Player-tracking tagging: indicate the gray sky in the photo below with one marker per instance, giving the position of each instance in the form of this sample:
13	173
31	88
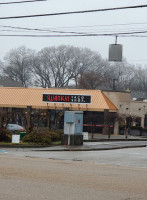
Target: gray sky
134	49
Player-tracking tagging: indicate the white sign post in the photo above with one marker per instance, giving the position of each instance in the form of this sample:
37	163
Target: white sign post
85	135
16	139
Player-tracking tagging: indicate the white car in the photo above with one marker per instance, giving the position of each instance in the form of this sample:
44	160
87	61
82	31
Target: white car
15	127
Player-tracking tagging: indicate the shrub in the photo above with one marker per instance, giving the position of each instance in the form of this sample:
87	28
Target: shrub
56	136
5	135
38	136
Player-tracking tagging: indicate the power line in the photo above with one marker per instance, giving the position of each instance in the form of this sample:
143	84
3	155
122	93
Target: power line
42	30
81	35
69	27
137	36
131	32
13	35
76	12
102	25
16	2
46	30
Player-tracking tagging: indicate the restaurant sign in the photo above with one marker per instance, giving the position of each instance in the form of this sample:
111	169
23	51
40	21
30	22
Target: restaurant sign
67	98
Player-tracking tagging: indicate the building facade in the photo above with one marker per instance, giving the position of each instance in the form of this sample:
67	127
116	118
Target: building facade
40	103
127	106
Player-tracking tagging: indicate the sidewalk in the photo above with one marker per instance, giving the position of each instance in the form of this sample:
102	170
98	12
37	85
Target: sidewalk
100	137
98	143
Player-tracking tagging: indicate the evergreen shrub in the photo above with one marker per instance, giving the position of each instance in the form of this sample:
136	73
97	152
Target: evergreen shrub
38	136
57	135
5	135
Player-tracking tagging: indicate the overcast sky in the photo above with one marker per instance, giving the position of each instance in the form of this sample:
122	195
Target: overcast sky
134	48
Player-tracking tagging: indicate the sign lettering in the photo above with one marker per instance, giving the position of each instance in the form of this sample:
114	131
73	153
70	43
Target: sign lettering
65	98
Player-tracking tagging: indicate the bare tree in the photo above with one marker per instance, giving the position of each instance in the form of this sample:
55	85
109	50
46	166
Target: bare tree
139	81
91	80
57	66
86	61
1	67
41	71
17	65
62	65
54	66
123	73
5	116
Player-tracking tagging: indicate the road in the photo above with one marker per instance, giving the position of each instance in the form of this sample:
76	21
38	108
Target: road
41	175
123	157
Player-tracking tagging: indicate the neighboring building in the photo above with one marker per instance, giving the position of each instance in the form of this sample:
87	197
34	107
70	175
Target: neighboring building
7	82
127	106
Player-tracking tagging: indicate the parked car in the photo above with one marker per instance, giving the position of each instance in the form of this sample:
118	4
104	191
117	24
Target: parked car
15	127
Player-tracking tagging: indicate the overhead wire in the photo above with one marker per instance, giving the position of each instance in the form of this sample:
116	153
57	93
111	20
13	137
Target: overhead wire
73	33
102	32
75	12
17	2
102	25
46	30
78	35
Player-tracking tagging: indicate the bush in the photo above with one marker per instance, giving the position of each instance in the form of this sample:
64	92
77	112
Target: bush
56	136
38	136
5	135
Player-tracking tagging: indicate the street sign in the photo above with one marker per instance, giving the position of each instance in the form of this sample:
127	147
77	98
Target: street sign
115	52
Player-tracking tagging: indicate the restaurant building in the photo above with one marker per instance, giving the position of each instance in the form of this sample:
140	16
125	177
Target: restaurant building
96	106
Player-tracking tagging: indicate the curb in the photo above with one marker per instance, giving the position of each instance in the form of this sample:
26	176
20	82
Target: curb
77	148
21	146
93	149
113	140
